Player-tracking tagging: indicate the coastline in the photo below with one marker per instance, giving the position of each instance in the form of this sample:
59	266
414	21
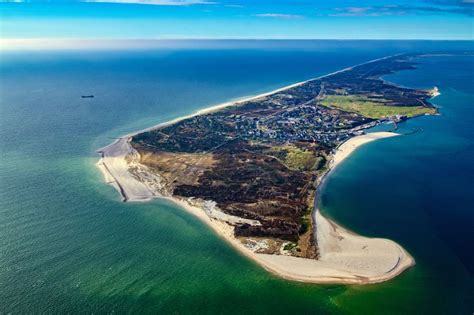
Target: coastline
238	101
344	257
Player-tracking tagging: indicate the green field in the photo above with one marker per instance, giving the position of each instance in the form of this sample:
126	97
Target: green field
296	158
364	106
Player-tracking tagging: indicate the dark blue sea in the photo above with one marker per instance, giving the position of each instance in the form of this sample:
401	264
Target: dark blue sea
67	243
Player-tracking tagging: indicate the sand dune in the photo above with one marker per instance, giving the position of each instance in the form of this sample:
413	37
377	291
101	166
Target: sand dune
345	257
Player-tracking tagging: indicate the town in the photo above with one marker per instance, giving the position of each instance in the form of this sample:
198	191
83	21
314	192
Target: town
259	159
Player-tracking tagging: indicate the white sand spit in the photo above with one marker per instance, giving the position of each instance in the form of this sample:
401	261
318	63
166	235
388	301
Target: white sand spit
345	257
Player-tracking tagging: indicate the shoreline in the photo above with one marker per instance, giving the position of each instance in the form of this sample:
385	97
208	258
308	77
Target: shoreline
354	260
238	101
345	257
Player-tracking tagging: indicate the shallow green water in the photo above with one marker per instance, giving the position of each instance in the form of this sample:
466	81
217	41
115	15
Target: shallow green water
67	243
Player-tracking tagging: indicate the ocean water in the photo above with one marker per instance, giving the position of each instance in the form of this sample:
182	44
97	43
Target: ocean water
67	243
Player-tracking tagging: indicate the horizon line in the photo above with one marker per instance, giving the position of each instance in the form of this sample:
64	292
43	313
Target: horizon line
144	43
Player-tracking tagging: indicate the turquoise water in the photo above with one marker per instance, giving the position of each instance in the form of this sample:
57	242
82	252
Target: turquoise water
68	244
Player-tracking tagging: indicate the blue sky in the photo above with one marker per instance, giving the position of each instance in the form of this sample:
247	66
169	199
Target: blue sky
217	19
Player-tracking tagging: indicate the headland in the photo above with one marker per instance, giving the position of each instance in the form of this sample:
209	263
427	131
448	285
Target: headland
251	169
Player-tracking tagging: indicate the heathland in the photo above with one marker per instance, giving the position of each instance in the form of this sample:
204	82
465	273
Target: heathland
251	169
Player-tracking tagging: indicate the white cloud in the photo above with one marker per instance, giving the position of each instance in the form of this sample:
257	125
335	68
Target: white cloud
157	2
233	5
394	10
280	16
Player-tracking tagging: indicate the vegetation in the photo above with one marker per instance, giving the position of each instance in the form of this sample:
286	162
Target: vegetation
371	109
299	159
305	224
289	246
306	220
296	158
259	160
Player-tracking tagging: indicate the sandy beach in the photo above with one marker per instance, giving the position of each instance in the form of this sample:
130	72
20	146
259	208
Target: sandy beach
345	257
239	101
346	148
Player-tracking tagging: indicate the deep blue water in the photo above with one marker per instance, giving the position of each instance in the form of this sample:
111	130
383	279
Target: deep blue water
419	188
68	244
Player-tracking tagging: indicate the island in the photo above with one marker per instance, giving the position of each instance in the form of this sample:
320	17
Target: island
252	169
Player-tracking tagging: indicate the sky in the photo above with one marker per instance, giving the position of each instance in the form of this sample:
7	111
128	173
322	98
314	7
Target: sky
236	19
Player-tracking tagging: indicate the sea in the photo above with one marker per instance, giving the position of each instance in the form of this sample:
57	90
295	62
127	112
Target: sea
69	245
